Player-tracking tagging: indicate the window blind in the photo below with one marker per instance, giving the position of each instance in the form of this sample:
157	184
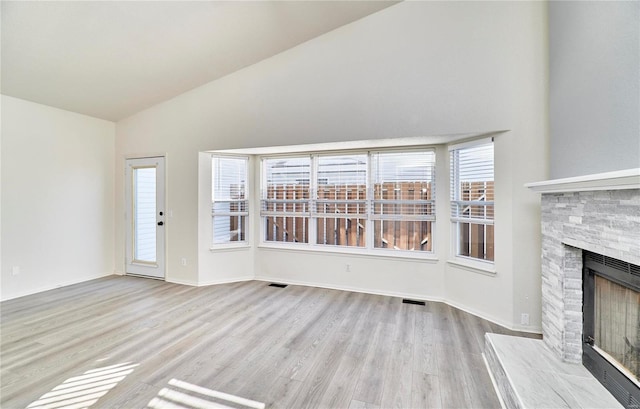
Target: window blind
229	198
286	186
341	189
403	185
472	183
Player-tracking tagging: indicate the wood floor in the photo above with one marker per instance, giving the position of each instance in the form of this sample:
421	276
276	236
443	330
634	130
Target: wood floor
134	343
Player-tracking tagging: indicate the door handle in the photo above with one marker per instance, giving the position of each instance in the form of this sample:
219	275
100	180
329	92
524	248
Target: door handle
160	223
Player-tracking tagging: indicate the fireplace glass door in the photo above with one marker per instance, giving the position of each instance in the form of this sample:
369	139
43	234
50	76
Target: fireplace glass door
611	325
616	319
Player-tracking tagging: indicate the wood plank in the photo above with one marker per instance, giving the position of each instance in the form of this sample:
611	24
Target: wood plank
425	391
293	347
371	381
398	380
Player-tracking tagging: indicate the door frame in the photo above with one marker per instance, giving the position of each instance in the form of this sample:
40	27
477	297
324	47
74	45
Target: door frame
162	261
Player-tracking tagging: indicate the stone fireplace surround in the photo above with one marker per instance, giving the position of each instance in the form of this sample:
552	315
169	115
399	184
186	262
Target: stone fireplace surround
597	213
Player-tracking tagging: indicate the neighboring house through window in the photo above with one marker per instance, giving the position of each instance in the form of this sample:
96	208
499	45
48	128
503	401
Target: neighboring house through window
230	204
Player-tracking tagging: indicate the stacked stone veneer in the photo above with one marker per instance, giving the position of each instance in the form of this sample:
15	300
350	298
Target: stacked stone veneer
605	222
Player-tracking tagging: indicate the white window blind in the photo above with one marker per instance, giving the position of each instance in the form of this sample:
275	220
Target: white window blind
342	185
472	199
404	185
403	199
285	206
472	183
382	200
229	199
341	199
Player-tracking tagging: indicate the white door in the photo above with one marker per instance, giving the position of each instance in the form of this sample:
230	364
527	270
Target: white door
145	217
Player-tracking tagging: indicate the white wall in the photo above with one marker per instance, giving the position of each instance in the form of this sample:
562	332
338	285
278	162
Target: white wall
57	197
219	266
594	86
413	69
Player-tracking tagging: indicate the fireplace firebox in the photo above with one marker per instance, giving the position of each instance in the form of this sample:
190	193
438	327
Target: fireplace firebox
611	326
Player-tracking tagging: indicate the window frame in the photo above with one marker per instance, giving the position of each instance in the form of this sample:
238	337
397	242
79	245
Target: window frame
267	213
313	216
247	213
457	258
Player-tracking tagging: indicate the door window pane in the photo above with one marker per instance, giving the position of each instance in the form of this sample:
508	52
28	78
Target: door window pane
144	226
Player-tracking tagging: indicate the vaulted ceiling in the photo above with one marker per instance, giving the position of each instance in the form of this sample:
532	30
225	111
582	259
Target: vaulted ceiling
111	59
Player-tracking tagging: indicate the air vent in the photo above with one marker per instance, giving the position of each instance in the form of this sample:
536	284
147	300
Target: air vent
414	302
617	264
278	285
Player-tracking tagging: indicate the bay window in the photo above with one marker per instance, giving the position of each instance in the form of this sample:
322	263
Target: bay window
403	200
372	201
472	199
285	209
230	204
341	200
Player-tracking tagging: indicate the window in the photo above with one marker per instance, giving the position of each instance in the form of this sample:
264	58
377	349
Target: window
341	200
370	201
472	200
230	204
285	199
403	200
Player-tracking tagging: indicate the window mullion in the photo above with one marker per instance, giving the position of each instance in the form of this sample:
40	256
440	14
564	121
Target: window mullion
369	231
313	194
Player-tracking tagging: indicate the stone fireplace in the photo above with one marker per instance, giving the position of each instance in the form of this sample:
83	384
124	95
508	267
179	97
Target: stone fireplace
598	214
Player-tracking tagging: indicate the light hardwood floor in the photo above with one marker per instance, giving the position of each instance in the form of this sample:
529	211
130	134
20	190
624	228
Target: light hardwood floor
133	343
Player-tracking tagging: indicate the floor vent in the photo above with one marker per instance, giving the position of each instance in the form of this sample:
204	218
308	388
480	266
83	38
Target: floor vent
414	302
278	285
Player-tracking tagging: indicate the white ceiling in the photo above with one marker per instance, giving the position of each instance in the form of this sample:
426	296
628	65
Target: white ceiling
115	58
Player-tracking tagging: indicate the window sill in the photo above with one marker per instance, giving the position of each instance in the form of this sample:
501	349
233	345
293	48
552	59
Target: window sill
230	247
428	257
474	266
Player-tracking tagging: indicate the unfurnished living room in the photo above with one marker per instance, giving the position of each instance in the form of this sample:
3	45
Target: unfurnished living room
320	204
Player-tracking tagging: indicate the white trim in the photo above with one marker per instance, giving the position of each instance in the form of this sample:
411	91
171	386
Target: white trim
475	265
209	282
467	144
531	330
226	281
55	286
417	297
351	251
231	246
181	282
433	140
617	180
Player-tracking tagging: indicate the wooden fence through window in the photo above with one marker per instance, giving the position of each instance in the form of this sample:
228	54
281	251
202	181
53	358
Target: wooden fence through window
342	211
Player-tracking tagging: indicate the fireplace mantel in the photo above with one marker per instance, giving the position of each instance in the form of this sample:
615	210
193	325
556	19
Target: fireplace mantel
618	180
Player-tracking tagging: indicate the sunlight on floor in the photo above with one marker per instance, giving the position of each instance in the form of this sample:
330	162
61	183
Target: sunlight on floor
84	390
182	395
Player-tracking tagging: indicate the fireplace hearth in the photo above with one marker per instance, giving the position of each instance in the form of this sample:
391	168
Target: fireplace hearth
611	311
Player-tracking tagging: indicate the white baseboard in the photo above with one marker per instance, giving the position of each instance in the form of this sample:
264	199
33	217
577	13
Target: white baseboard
501	322
348	288
226	281
181	282
53	287
418	297
209	282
